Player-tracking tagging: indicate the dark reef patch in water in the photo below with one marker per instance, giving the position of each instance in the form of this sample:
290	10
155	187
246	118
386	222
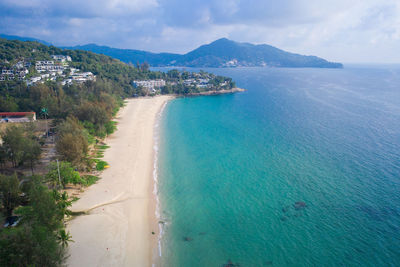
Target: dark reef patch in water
187	238
299	205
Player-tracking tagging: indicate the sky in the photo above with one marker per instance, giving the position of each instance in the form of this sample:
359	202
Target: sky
357	31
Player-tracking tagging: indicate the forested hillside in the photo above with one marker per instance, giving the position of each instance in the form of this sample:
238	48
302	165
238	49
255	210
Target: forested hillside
114	82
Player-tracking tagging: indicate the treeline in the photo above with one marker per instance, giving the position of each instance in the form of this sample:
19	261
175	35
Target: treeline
40	238
36	206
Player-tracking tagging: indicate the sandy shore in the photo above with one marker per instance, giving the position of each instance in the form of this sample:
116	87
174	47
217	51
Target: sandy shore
117	229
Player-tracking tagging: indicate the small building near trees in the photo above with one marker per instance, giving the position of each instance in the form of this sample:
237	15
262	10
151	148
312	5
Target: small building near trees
17	116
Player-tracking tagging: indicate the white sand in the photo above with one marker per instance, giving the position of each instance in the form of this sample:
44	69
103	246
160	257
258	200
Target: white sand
117	230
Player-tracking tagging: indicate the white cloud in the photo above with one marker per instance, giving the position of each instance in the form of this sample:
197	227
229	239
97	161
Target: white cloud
339	30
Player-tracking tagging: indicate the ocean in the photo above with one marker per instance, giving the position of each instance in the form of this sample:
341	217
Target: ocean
302	169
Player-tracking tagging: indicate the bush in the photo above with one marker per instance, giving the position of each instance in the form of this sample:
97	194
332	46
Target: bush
90	179
110	127
67	174
101	165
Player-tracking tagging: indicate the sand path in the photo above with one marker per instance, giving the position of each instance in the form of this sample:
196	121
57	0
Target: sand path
117	230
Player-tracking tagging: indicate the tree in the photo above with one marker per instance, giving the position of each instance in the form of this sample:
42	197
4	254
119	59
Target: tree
14	143
35	241
10	193
72	143
64	238
173	74
30	245
43	208
144	66
95	113
63	172
63	202
20	145
32	151
3	156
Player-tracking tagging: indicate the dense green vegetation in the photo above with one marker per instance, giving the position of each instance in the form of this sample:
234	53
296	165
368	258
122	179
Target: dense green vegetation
40	237
19	146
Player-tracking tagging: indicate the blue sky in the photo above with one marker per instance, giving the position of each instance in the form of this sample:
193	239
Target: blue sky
339	30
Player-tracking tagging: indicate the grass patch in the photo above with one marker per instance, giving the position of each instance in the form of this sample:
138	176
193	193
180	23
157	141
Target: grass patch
110	127
102	147
99	154
100	165
90	179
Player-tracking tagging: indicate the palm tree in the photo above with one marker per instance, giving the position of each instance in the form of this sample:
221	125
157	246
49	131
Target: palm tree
63	202
64	237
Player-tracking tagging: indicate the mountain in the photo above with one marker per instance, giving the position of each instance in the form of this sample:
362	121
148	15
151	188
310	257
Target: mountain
129	55
19	38
220	53
227	53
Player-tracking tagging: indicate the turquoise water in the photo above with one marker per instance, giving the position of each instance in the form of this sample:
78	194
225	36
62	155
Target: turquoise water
232	167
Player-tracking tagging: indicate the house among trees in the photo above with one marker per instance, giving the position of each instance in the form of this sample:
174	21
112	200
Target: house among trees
61	58
48	65
17	116
82	77
150	85
6	71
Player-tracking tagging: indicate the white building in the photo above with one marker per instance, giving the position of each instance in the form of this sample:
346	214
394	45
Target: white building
61	58
150	84
66	81
5	71
189	82
19	65
42	66
83	77
33	80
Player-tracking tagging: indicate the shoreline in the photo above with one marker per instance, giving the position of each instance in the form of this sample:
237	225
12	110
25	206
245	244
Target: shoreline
121	207
155	212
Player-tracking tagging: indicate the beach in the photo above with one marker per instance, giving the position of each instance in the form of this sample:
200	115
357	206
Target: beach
120	209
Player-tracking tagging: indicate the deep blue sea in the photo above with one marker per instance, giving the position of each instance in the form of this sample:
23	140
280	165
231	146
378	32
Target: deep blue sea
302	169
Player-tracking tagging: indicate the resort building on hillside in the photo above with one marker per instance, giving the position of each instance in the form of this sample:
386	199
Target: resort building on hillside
83	77
42	66
17	117
5	71
79	77
61	58
189	82
33	80
150	84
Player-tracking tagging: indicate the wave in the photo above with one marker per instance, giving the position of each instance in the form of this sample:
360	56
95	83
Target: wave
155	178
